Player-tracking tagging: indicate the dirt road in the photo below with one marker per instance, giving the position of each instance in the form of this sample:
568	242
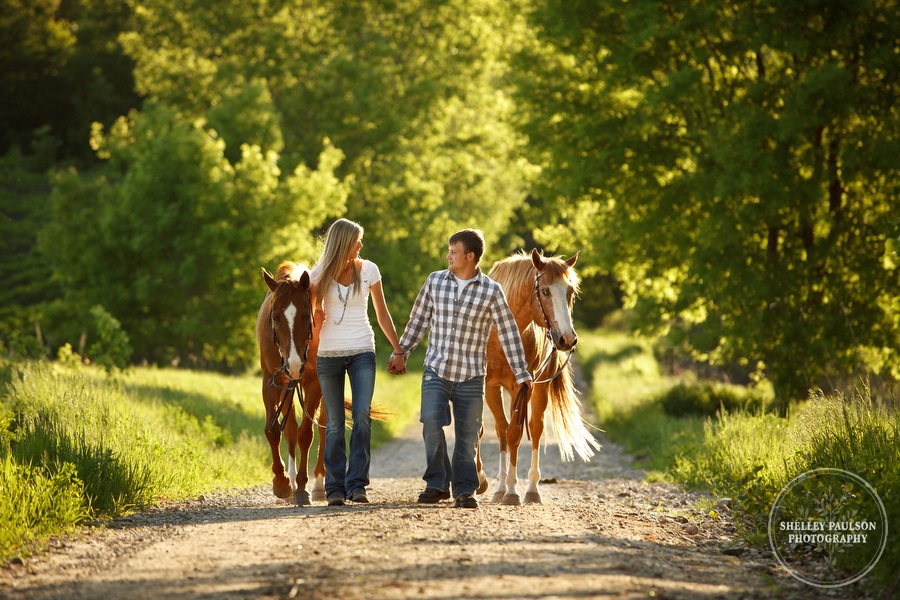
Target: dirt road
600	533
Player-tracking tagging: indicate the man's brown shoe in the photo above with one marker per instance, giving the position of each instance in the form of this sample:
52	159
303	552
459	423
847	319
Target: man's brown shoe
465	501
433	496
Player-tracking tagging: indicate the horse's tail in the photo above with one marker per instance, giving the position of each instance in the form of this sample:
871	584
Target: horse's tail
569	427
376	411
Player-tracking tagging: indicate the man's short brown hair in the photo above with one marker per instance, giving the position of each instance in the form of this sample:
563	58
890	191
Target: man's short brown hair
471	239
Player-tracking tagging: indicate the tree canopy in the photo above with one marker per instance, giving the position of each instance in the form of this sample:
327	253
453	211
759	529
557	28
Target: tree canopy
729	170
738	167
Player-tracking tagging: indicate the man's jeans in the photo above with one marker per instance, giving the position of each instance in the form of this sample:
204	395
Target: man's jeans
339	478
468	403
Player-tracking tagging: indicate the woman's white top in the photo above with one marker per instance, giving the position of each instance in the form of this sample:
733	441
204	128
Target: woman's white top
351	333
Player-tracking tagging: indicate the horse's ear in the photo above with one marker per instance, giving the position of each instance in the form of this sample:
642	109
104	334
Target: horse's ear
537	260
571	262
304	280
270	281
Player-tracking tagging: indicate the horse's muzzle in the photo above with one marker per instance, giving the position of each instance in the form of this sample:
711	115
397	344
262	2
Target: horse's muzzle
564	342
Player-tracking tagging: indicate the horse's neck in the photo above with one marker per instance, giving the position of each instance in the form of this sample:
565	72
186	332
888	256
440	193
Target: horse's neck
521	309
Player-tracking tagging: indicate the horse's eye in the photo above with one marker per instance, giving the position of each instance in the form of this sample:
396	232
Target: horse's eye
274	318
546	292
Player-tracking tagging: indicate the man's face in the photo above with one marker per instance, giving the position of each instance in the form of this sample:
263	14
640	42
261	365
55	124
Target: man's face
458	260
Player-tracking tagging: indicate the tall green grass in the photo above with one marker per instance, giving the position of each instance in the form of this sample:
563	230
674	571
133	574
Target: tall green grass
77	443
744	453
37	502
626	384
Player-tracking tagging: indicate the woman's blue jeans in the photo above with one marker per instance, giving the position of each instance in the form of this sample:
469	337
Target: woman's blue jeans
339	477
467	398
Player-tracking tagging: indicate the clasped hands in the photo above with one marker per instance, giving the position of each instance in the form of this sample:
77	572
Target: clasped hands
397	364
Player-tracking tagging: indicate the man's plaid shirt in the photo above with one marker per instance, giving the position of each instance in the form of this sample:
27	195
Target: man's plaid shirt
457	344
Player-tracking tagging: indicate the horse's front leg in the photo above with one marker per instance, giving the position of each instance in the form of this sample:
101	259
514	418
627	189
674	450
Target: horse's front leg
304	441
290	440
281	485
509	463
494	399
318	490
536	426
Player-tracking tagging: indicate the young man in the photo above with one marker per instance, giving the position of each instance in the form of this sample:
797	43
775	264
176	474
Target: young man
459	305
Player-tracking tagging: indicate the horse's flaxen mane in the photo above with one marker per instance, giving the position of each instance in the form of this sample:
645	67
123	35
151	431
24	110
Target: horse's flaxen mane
517	272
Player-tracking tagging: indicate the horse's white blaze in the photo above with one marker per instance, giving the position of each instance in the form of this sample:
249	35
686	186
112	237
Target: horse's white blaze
563	317
294	360
292	473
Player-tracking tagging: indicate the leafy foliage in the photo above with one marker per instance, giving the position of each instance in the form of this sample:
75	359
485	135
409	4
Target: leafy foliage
111	350
173	248
733	166
728	171
61	69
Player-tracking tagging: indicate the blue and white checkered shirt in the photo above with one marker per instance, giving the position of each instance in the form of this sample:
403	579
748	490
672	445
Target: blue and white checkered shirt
460	326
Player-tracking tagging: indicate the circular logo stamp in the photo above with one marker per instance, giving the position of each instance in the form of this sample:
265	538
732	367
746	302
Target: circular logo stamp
828	528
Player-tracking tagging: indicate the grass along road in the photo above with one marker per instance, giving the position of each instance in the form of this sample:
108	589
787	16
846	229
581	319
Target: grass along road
601	532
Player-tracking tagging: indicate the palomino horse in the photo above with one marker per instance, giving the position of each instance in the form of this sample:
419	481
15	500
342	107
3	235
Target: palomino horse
287	345
540	291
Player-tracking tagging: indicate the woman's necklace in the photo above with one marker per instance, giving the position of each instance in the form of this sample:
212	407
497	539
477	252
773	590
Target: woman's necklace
343	299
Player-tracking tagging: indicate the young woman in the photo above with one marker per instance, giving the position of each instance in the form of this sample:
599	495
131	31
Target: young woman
344	282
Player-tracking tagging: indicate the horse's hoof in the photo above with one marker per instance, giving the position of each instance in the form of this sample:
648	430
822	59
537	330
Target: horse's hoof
498	497
512	500
282	491
318	495
482	483
533	498
301	498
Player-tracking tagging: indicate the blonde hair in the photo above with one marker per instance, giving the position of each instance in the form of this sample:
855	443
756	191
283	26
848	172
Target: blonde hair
340	239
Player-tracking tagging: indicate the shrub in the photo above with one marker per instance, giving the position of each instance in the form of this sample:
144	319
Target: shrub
112	349
707	398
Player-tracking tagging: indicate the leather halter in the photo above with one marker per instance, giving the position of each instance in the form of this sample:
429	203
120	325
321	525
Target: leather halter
292	384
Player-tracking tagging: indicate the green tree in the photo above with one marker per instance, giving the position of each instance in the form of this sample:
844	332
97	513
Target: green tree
735	167
25	274
170	242
38	43
111	350
412	93
61	69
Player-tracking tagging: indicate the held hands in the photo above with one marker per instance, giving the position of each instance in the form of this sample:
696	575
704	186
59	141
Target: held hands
397	364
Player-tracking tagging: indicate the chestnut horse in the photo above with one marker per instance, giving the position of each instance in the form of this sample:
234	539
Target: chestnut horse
541	292
287	348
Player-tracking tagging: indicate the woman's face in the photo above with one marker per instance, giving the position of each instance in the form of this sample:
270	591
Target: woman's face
355	249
